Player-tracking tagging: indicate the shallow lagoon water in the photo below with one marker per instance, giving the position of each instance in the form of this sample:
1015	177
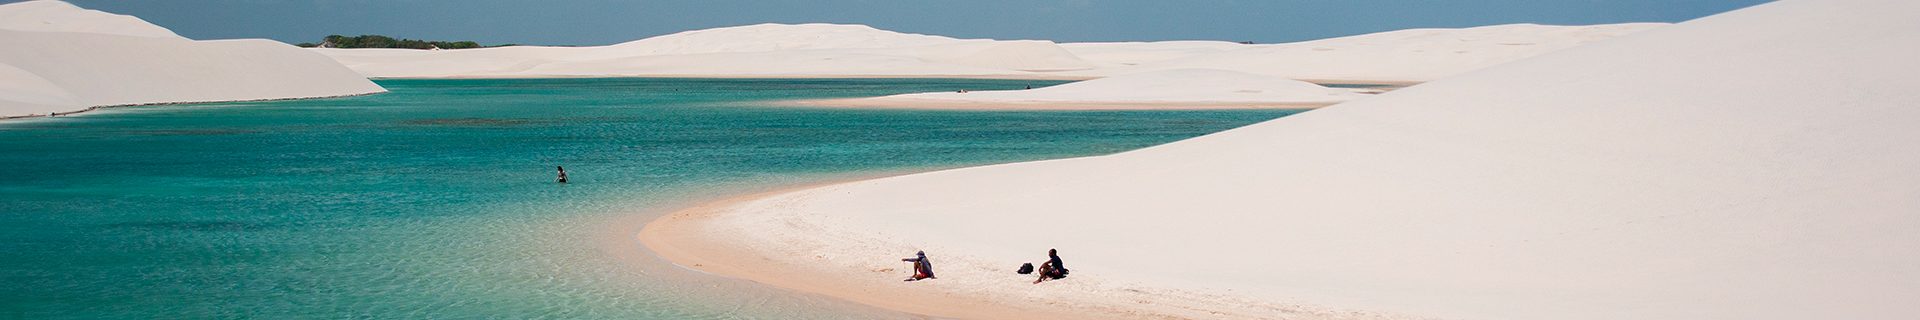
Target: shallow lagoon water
438	200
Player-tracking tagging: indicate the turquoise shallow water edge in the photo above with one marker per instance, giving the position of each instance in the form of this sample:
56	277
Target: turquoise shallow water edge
437	199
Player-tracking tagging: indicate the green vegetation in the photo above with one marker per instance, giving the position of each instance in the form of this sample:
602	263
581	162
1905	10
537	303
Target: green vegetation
380	41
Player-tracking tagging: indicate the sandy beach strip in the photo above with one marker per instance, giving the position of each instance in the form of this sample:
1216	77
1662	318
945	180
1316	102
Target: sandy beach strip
98	108
1044	77
1182	89
942	104
684	238
701	238
1384	84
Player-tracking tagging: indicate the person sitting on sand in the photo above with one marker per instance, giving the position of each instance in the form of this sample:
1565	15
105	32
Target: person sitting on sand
563	173
1053	269
922	268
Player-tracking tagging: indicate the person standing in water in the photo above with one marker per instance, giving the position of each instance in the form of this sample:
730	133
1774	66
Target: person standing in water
563	174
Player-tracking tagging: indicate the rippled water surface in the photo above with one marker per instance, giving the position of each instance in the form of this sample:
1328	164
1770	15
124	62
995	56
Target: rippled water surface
438	200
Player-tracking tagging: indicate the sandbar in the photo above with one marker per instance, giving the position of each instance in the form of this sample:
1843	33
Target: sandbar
966	289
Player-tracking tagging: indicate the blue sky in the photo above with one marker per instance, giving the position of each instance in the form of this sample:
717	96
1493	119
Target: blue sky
596	22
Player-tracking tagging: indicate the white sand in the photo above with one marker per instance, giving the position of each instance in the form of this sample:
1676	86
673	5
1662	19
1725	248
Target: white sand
1196	88
1121	54
1413	55
1245	76
59	16
764	50
61	58
831	50
1757	164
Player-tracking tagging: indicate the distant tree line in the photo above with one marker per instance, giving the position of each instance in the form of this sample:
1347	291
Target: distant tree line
385	42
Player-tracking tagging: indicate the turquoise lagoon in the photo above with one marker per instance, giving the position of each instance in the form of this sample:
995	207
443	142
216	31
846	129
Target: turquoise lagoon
437	199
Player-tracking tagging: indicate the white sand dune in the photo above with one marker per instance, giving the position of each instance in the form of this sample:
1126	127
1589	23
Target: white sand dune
1011	59
768	37
832	50
1413	55
59	16
61	58
764	50
1170	88
1757	164
1119	54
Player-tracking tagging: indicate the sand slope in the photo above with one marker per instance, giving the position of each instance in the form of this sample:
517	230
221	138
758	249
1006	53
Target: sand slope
1198	88
769	37
833	50
60	16
763	50
1752	165
1119	54
817	50
1413	55
61	58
